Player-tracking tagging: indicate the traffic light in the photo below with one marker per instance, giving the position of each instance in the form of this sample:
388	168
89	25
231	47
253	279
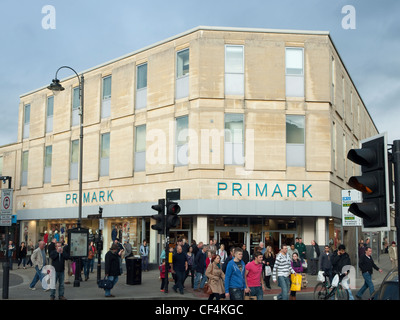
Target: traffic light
172	215
373	182
160	217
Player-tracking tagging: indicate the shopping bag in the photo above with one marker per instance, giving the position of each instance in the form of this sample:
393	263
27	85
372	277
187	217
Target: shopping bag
321	276
335	281
296	282
268	271
48	277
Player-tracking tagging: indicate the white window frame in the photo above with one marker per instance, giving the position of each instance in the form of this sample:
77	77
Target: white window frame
182	80
49	118
73	173
27	120
106	100
104	160
181	149
140	156
294	82
141	93
233	150
234	80
47	168
296	152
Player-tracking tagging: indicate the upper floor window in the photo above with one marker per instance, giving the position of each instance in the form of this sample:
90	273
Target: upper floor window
47	164
294	72
182	141
105	154
140	148
24	171
106	98
73	174
141	86
234	139
49	114
234	70
75	106
27	119
295	141
182	73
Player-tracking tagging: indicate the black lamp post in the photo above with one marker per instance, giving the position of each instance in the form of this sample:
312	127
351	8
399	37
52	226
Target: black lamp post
55	86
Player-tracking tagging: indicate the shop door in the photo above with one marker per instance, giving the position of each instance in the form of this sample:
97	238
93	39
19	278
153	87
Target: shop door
275	239
231	239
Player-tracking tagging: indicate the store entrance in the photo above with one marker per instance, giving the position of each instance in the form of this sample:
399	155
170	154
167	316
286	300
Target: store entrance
231	239
275	239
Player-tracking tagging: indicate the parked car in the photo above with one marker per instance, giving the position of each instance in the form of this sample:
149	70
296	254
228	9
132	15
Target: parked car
389	289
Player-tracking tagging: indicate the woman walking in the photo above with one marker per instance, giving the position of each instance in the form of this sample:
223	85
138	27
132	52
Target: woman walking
298	268
21	254
216	278
268	261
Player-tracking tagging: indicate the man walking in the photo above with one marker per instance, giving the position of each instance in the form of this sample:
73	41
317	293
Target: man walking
282	270
200	263
144	254
38	259
366	264
235	283
253	276
179	267
58	257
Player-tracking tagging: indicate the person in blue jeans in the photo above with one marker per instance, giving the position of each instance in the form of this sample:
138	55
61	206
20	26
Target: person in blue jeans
144	254
38	259
282	270
58	257
366	264
112	270
235	283
200	268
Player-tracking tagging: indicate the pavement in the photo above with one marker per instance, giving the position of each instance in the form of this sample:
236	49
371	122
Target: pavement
149	289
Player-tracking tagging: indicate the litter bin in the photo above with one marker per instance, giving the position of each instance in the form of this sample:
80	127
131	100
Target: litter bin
133	270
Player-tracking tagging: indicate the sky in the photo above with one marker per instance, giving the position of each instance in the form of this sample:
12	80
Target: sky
35	42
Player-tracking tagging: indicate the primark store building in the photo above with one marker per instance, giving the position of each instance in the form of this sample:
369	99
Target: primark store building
252	125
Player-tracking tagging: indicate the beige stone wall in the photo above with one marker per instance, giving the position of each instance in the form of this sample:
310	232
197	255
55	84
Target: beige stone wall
264	106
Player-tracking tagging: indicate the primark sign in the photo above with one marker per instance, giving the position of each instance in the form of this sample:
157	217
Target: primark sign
264	190
100	196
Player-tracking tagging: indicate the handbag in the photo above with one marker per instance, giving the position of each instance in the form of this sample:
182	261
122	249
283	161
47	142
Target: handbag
105	283
207	289
296	282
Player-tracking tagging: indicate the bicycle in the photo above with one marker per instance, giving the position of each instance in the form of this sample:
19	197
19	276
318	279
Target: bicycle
325	291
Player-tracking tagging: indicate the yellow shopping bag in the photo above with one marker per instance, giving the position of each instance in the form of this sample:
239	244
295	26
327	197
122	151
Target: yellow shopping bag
296	282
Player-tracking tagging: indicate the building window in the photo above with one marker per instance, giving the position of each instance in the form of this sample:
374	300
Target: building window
182	74
140	148
104	154
294	72
73	174
49	114
141	86
182	141
106	98
75	107
47	164
234	70
295	137
234	146
24	173
1	166
27	119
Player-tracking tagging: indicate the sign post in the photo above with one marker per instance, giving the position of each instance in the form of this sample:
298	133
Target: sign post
349	219
6	212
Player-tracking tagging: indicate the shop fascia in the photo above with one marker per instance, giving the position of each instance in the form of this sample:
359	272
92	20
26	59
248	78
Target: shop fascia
273	190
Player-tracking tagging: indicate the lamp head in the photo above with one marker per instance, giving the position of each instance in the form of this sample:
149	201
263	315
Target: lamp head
55	86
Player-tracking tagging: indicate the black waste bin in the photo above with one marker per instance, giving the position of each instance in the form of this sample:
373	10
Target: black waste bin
133	270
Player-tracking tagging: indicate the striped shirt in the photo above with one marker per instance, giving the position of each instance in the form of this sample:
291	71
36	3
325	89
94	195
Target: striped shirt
282	266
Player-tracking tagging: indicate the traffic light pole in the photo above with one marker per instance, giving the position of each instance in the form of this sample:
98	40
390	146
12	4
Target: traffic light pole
396	162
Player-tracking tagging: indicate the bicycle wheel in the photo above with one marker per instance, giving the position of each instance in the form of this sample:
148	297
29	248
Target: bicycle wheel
341	294
320	291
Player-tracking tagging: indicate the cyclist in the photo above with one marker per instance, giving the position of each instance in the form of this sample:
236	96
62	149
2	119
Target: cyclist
341	264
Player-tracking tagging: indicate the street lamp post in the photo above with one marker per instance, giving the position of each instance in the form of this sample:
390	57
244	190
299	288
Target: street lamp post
55	86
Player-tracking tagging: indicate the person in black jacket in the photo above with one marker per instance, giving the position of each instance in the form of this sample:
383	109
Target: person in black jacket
366	264
58	257
314	257
200	267
112	269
